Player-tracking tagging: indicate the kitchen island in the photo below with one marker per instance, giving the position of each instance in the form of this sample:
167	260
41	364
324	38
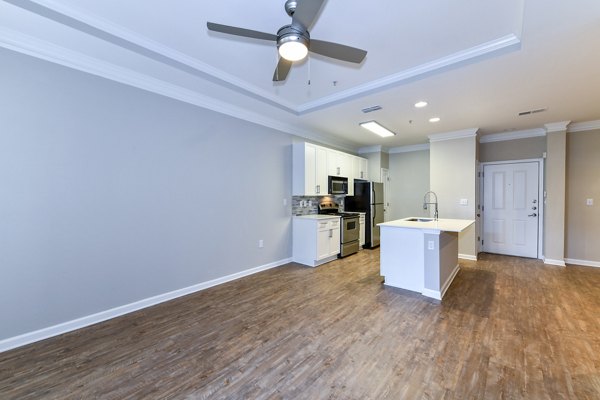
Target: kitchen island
421	254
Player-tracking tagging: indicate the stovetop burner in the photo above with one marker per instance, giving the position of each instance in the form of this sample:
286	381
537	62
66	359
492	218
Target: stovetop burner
332	208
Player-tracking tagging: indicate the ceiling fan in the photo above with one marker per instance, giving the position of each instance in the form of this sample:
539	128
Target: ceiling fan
293	40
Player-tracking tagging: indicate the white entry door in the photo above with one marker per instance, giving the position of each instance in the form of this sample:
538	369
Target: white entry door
511	208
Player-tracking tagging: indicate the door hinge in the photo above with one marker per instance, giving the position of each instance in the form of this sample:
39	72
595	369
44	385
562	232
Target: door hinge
478	238
482	242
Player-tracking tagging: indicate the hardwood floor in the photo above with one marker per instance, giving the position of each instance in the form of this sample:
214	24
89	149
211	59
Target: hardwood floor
508	328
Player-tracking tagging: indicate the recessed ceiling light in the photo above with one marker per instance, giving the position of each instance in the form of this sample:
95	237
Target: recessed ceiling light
434	119
420	104
376	128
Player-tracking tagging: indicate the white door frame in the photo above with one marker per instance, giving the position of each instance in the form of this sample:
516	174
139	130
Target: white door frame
385	179
541	193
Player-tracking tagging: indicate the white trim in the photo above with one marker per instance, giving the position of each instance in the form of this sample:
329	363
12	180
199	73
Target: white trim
438	295
35	47
584	126
169	53
242	86
541	205
386	82
467	257
45	333
500	137
450	280
408	149
434	294
465	133
557	126
371	149
585	263
560	263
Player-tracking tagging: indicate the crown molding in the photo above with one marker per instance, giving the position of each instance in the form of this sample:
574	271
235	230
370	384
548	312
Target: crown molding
465	133
373	149
410	148
557	126
584	126
29	45
105	30
440	64
500	137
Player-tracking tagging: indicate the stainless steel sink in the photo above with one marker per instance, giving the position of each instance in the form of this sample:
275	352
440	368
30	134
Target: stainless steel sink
419	219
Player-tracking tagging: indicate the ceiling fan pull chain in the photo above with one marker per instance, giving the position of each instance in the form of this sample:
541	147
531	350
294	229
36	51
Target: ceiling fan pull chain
308	71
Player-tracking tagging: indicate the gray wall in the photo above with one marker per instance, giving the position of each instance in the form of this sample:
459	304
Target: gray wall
110	195
556	189
452	177
519	149
410	181
583	182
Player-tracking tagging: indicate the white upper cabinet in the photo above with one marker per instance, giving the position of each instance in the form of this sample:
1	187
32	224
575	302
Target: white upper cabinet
313	164
338	163
359	168
309	173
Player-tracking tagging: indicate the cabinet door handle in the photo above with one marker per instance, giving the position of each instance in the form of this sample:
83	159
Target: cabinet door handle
338	170
532	215
318	189
331	233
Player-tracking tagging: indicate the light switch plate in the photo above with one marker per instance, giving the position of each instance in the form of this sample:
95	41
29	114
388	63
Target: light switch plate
430	245
464	202
589	202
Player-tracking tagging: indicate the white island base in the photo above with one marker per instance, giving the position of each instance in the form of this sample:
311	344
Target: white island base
421	256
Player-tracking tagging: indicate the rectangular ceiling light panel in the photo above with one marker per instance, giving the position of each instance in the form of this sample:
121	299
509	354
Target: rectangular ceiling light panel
376	128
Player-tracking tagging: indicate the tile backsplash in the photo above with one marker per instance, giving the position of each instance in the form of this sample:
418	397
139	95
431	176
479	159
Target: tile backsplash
304	205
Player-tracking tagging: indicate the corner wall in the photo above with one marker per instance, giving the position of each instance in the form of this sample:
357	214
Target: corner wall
410	181
453	170
583	182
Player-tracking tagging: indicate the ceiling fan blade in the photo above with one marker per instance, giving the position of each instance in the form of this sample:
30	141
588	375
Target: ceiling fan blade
306	12
338	51
282	69
232	30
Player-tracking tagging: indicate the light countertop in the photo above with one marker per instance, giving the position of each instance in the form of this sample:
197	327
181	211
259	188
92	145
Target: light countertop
317	216
443	224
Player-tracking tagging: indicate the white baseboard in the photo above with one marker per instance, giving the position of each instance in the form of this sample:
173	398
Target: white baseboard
560	263
467	257
45	333
449	280
438	295
585	263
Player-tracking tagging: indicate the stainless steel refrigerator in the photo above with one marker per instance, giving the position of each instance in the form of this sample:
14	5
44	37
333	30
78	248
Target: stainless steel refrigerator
368	198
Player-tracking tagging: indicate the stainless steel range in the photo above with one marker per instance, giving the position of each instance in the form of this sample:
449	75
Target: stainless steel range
349	230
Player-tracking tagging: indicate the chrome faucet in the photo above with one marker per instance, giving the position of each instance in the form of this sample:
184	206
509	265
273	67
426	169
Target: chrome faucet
427	203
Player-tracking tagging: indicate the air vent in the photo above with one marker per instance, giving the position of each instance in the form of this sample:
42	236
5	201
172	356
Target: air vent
539	110
371	109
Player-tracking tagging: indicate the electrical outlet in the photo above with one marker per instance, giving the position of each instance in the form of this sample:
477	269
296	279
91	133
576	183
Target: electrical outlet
261	244
430	245
589	202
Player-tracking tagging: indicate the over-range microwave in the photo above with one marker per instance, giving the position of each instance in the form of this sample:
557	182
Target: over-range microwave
338	185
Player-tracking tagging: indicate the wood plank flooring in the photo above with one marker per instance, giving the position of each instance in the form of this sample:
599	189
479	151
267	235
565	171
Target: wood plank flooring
508	328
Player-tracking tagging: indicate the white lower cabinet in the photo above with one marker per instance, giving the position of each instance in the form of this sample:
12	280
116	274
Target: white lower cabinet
316	239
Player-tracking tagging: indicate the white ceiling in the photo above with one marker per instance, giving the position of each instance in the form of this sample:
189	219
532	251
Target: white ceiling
477	63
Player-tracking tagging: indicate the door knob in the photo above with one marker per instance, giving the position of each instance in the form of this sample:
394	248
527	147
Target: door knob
532	215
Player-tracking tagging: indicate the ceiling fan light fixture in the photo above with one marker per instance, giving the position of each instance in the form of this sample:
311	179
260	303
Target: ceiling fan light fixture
377	128
293	47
